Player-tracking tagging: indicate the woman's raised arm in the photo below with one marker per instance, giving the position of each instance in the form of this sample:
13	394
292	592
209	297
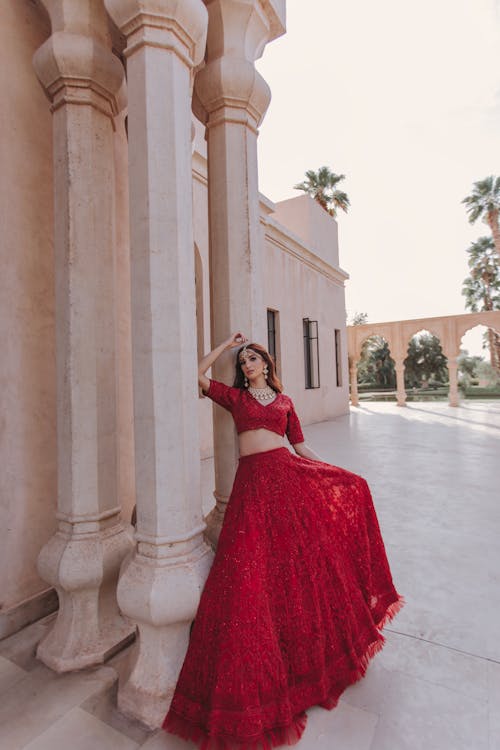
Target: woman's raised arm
236	339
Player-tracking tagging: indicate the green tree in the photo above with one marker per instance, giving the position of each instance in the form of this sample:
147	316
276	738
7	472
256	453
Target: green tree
467	366
481	288
322	186
484	203
425	361
376	366
486	371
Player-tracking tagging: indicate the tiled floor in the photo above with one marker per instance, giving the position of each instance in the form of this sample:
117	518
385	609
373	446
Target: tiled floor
433	472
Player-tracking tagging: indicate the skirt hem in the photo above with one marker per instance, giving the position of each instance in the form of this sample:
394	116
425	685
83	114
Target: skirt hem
288	735
285	735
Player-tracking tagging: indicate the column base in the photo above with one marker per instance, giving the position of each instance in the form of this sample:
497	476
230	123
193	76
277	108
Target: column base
121	635
162	594
83	567
157	659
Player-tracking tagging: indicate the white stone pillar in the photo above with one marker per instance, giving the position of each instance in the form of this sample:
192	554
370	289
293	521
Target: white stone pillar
82	78
231	97
353	373
160	586
400	382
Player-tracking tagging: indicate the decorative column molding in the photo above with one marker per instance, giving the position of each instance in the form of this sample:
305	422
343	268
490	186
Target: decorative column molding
231	97
160	585
83	79
353	375
400	381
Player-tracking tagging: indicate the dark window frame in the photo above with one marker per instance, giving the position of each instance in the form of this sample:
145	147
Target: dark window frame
273	315
271	332
311	353
338	358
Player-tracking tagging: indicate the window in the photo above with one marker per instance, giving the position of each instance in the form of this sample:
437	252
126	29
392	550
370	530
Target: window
273	336
338	358
311	352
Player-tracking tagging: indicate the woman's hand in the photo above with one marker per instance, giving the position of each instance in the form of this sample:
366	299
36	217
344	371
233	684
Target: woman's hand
236	339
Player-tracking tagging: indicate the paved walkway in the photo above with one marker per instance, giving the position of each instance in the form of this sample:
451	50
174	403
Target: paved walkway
433	472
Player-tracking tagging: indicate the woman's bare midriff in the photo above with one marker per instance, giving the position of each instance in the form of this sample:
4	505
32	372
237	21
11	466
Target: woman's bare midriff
256	441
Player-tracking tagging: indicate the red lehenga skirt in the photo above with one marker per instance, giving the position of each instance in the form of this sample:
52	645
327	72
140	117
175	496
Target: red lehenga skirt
292	607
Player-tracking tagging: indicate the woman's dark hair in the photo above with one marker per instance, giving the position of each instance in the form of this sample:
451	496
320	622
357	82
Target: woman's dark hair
272	378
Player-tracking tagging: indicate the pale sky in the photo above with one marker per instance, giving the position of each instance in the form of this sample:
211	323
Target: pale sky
404	99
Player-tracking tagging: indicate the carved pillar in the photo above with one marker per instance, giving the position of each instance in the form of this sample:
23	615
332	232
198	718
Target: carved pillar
231	98
453	395
353	374
160	586
82	78
400	381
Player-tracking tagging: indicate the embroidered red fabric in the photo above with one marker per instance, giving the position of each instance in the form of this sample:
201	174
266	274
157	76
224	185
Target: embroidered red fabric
278	416
292	608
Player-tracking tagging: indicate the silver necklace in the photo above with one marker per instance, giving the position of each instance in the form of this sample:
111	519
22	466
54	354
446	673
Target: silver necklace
262	394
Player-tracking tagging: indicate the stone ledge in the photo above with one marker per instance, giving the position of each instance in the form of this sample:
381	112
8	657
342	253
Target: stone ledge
30	610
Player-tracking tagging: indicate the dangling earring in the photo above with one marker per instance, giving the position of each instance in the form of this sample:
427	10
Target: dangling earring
246	382
265	372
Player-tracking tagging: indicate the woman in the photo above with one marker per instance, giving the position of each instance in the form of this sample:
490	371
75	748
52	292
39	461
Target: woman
299	587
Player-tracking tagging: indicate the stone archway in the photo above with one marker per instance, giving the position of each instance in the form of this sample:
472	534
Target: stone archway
448	328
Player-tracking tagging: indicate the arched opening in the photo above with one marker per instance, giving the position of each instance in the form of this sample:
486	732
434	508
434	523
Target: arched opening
426	368
479	363
198	282
376	371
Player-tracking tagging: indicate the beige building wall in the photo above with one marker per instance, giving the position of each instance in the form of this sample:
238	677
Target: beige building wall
303	280
316	228
27	365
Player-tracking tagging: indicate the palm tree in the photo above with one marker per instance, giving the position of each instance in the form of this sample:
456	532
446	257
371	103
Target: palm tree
481	288
484	201
359	319
322	186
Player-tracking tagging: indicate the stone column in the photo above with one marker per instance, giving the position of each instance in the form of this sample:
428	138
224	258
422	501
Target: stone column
231	98
451	348
160	585
453	395
400	381
82	78
353	372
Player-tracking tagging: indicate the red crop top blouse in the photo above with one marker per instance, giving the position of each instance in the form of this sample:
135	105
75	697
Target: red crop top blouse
278	416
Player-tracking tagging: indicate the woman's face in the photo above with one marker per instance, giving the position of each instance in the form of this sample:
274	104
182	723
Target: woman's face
252	364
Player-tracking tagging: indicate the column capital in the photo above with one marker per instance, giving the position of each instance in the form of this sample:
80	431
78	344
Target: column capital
77	69
75	65
228	88
176	25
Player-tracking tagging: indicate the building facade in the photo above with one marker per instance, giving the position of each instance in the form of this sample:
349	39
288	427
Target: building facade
134	239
